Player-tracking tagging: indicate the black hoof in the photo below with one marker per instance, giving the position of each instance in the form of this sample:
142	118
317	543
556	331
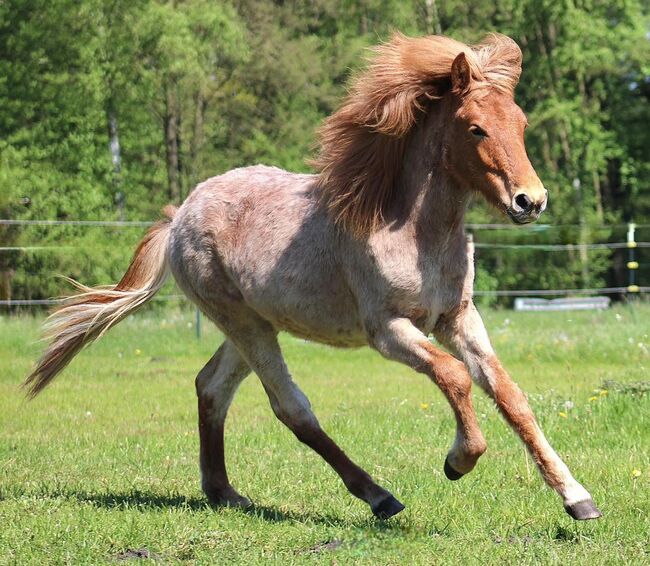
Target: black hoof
451	474
583	510
228	499
387	507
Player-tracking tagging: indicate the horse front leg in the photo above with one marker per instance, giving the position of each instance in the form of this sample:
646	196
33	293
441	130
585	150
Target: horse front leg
464	333
398	340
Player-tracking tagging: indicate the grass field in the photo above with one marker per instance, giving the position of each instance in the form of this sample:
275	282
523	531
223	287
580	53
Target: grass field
104	462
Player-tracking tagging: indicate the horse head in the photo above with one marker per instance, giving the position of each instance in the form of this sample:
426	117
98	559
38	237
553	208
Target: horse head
485	137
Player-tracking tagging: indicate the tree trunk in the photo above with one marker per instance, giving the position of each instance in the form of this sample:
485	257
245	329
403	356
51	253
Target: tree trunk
583	237
171	123
552	82
181	172
5	284
546	152
431	17
116	157
598	195
200	107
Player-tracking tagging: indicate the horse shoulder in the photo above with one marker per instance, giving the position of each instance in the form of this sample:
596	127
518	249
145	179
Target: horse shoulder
394	274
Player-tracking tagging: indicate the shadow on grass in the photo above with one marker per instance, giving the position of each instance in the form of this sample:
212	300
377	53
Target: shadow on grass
139	500
563	534
144	501
274	515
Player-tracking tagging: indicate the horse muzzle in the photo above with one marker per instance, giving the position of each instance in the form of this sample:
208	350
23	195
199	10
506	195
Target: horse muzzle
526	206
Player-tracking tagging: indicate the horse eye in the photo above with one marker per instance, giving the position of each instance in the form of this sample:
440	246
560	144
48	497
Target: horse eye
478	132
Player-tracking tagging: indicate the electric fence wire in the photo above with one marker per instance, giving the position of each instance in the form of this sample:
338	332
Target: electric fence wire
480	245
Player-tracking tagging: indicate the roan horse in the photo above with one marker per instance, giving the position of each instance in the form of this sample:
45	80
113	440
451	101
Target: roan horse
371	250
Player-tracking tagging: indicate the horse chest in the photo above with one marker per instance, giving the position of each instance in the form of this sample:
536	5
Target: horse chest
423	286
436	297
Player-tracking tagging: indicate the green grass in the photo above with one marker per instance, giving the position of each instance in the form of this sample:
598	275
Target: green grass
105	460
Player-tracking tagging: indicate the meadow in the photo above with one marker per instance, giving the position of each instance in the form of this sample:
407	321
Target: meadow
103	466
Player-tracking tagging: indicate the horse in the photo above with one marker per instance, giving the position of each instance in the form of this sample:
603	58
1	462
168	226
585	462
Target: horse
369	250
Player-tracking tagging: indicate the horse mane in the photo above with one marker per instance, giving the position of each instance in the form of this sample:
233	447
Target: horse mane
363	142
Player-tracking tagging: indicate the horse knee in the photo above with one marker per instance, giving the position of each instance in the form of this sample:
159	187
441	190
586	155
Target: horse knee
224	371
299	420
207	373
199	385
201	381
297	415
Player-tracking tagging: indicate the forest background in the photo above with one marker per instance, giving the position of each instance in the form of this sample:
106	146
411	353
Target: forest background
110	109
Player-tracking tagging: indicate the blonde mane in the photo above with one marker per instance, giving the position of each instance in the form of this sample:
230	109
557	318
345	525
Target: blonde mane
362	143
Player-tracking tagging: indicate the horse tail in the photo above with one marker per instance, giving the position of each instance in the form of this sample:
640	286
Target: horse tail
87	315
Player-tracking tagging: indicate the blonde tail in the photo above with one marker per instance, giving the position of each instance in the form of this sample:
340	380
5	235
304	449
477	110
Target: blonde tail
84	317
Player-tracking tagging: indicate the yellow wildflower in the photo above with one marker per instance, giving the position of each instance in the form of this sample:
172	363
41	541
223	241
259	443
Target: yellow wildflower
424	406
138	351
636	473
563	414
594	398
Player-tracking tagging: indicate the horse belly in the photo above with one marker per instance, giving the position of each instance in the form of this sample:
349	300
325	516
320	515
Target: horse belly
333	333
317	307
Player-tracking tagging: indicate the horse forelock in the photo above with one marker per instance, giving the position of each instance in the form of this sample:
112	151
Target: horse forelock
499	59
362	143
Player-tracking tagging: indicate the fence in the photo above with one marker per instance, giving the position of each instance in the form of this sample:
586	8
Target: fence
632	265
632	288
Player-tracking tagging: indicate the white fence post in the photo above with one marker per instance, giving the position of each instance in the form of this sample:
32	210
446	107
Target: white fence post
632	264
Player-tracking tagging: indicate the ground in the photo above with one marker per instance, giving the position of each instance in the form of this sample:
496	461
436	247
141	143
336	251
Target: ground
102	467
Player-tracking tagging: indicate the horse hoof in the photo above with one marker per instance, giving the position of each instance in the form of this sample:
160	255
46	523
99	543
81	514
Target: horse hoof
387	507
451	474
240	502
231	500
583	510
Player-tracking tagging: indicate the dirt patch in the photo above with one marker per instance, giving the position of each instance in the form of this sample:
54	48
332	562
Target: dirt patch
159	359
137	554
325	546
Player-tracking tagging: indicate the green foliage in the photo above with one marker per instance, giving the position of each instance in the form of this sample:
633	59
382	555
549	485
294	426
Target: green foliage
195	88
484	281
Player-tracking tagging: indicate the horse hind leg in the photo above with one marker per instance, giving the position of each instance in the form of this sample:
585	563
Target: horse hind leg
216	385
292	407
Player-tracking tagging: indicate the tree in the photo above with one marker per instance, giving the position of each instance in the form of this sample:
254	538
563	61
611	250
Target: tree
186	89
188	51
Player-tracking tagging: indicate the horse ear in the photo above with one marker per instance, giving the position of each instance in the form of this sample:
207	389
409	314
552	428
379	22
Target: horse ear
461	74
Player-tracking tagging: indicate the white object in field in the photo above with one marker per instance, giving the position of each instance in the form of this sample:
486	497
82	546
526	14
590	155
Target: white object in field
564	304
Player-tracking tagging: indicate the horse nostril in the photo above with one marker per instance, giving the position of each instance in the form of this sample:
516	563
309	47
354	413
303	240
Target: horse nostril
523	202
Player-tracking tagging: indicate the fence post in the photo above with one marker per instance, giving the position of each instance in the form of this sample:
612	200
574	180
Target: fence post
584	235
632	264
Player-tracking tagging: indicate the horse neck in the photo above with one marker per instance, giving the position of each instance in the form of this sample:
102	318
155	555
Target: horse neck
435	204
